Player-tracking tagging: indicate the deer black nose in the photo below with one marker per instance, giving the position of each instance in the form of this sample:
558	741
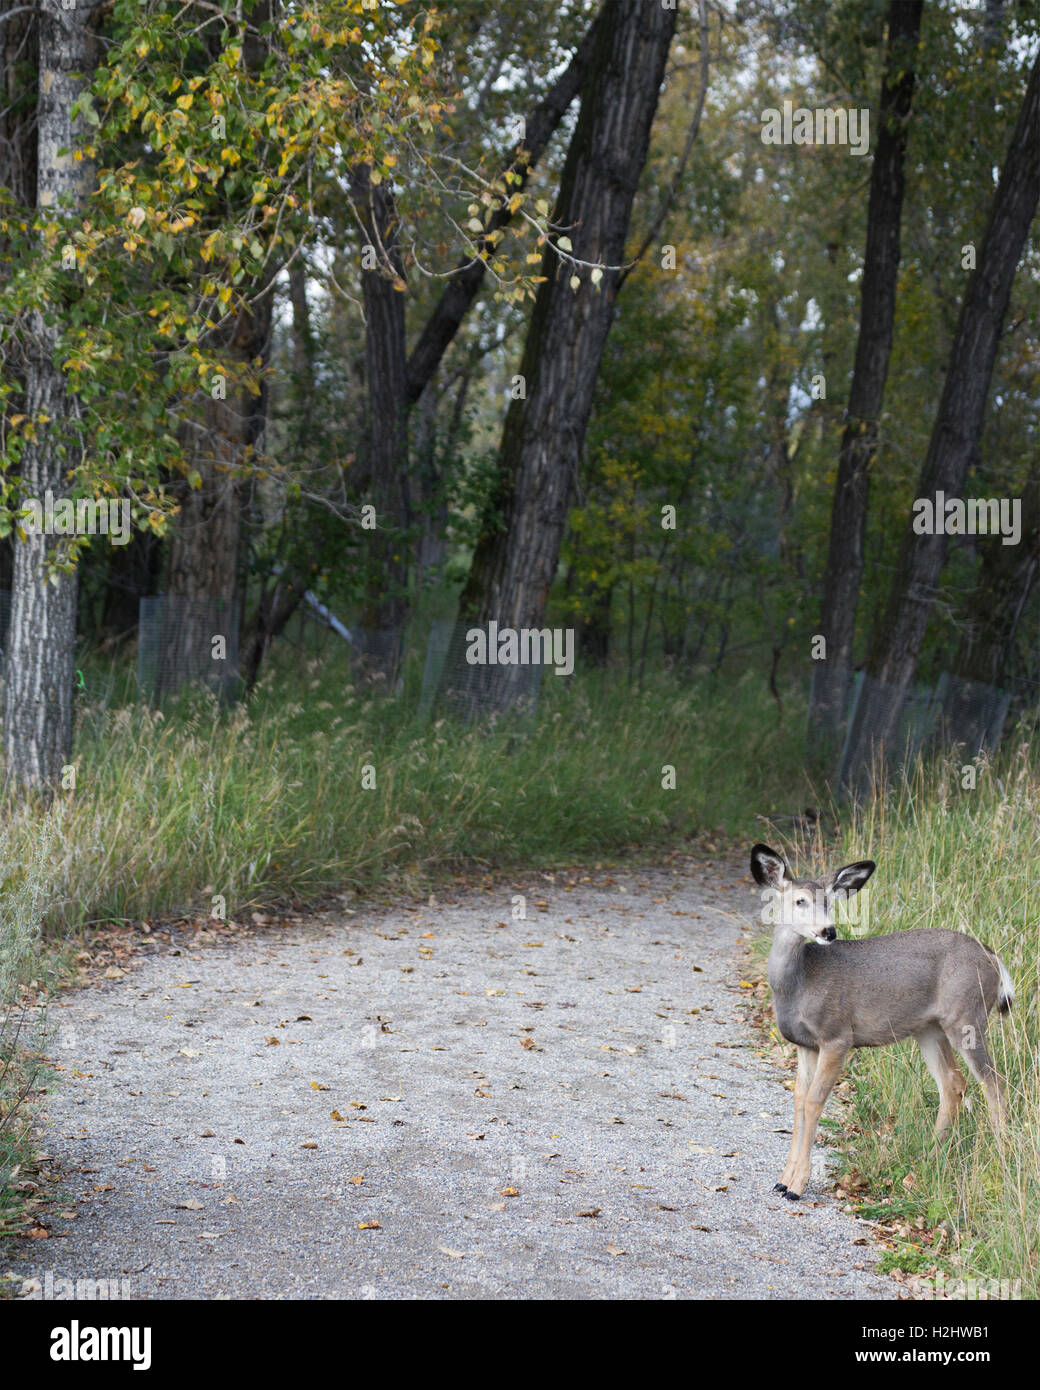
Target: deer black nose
828	934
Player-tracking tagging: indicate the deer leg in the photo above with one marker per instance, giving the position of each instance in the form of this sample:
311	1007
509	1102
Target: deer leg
970	1042
827	1068
941	1062
802	1081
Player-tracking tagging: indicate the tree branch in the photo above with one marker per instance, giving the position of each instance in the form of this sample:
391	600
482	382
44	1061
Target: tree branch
464	285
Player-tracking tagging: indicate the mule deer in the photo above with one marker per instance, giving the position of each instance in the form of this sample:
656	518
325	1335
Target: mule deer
930	984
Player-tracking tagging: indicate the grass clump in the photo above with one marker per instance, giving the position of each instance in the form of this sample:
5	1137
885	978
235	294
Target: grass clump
23	897
297	797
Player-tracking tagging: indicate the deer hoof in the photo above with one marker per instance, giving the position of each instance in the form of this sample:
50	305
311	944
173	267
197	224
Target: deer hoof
792	1196
779	1187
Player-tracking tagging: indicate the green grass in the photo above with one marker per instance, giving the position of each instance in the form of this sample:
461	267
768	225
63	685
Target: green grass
266	801
23	1024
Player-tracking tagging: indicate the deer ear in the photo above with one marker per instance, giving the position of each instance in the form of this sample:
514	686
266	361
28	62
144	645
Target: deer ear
852	877
768	868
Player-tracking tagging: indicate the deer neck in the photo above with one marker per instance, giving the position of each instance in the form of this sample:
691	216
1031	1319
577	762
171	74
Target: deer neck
787	966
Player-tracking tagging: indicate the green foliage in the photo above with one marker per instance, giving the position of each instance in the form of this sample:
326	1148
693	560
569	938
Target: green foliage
210	139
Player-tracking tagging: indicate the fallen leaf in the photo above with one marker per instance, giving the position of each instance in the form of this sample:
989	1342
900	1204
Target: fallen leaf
369	1226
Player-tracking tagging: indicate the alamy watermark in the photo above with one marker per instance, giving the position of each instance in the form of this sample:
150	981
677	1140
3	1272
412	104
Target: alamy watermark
856	916
81	516
58	1288
525	646
969	516
800	125
1002	1290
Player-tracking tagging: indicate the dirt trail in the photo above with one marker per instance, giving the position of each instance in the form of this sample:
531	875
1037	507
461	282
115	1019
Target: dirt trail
442	1101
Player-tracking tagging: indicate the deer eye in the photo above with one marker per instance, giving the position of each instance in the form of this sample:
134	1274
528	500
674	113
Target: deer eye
802	902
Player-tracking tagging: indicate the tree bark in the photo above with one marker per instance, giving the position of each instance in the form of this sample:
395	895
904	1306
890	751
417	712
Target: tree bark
302	336
41	646
995	607
202	588
595	631
397	381
955	436
202	571
385	609
844	571
277	605
280	597
518	551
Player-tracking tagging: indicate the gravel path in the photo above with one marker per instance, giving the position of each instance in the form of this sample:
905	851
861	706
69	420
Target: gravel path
441	1101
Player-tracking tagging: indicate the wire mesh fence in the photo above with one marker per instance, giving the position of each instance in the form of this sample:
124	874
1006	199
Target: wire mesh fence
887	726
183	642
379	653
474	690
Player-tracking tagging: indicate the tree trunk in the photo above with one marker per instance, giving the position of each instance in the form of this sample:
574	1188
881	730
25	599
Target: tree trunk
955	436
41	646
991	620
994	609
518	551
277	605
200	628
595	631
832	676
202	573
280	599
385	609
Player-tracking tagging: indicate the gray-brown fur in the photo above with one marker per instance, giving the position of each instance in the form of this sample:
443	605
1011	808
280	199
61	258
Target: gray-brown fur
934	985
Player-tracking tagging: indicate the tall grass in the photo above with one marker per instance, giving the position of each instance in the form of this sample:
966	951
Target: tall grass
22	1016
268	800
